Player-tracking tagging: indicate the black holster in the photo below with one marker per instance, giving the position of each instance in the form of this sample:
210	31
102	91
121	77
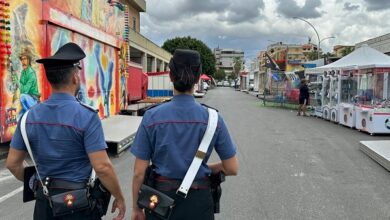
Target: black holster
150	175
216	190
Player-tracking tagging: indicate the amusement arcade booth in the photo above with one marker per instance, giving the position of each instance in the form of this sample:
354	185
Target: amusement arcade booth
373	106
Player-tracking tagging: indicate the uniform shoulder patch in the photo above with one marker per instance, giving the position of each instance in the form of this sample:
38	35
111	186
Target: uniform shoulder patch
209	107
89	107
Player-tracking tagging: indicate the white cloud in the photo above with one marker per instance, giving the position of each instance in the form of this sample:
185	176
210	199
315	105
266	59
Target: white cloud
251	24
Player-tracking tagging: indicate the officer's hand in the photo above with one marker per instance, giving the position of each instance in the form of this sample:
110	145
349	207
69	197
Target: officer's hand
137	214
119	204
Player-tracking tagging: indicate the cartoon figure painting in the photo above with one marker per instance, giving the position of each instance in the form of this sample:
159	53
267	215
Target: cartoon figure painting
28	85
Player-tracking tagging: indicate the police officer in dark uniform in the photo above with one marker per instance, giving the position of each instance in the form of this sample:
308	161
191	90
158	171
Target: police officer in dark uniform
66	139
169	137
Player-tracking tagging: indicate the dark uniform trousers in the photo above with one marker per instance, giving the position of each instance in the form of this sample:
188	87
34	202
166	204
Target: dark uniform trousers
198	205
43	211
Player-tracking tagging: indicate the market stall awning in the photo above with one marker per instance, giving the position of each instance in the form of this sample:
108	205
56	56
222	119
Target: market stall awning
205	77
363	57
244	74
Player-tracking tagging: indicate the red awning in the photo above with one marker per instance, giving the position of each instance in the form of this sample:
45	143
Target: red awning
205	77
244	73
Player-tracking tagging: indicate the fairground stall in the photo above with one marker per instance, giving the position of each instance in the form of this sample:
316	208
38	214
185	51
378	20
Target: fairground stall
326	96
348	92
373	108
315	82
371	93
334	95
340	82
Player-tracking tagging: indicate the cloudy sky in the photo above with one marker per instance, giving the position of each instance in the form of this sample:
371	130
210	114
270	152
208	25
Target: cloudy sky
253	24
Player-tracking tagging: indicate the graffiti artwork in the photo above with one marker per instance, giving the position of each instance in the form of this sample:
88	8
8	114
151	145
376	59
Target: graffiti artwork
20	77
25	38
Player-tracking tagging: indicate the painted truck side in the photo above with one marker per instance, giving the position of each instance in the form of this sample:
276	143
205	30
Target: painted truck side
41	27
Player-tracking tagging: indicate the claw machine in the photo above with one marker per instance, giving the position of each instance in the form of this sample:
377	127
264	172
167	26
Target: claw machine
348	92
334	96
373	110
326	96
315	89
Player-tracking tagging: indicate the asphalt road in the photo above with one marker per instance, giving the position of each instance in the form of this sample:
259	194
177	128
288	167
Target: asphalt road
290	168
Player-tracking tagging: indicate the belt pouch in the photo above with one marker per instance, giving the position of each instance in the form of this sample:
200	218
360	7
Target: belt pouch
69	202
155	202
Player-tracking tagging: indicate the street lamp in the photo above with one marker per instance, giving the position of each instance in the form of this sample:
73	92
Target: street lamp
319	41
327	38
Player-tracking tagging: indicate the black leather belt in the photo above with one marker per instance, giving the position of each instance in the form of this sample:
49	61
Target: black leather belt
165	184
63	184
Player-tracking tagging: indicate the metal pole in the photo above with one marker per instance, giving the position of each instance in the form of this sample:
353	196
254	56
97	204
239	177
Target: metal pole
318	37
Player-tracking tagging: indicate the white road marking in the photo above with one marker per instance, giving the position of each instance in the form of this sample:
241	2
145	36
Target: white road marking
2	179
9	195
5	175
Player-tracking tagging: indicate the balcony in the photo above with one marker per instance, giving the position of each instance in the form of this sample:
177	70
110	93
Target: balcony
142	43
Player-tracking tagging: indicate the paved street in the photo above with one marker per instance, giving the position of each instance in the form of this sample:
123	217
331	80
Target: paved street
290	168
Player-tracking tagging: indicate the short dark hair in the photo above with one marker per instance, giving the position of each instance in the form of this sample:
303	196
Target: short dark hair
60	77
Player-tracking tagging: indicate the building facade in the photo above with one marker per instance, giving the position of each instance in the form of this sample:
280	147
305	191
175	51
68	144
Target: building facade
340	50
254	75
143	52
225	59
381	43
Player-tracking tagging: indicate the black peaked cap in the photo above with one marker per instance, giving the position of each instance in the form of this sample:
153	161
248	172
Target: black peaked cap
66	56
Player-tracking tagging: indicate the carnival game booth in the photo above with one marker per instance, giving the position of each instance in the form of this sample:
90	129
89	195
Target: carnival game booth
373	108
315	82
339	84
372	92
348	92
326	95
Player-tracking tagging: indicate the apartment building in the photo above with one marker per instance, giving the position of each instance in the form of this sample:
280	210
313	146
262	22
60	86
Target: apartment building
225	59
143	53
339	50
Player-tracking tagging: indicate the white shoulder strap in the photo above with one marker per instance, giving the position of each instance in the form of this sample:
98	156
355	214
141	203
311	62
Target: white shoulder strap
200	154
27	143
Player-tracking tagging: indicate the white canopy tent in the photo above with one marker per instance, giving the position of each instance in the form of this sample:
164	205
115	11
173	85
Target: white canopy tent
362	58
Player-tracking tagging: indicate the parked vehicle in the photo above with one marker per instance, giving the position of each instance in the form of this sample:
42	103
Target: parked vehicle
251	86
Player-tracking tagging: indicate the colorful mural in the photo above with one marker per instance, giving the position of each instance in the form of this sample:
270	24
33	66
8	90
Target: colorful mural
95	12
22	79
25	38
98	82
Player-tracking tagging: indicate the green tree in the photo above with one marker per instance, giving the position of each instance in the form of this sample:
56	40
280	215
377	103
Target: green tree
328	54
206	55
220	75
312	55
346	51
237	66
